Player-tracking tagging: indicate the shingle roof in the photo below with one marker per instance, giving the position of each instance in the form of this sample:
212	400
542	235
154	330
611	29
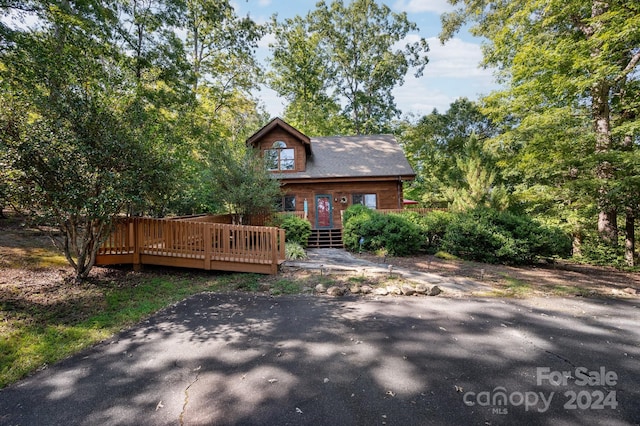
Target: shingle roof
354	156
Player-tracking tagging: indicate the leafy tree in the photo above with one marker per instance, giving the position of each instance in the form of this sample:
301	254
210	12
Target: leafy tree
221	52
353	59
241	181
68	128
451	163
299	73
477	186
563	60
360	39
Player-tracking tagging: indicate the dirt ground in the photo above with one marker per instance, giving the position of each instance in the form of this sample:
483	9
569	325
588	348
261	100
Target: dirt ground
31	268
561	278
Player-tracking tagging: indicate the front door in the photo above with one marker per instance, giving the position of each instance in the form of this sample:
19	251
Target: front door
324	216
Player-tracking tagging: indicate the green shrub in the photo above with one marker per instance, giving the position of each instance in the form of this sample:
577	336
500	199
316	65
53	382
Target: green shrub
596	252
294	251
297	230
393	233
433	226
490	236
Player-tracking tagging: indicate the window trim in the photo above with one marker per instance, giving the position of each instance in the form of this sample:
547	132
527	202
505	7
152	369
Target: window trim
275	155
364	196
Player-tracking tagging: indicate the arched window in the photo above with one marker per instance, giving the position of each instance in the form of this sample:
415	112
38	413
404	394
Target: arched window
279	157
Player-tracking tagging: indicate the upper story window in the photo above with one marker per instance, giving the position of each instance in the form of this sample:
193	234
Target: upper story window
279	157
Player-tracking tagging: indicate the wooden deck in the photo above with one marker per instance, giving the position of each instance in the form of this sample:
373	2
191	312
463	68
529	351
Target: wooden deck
190	244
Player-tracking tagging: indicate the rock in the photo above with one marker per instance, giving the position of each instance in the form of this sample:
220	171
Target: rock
630	290
407	290
421	288
381	291
335	291
392	289
366	289
321	288
355	289
435	290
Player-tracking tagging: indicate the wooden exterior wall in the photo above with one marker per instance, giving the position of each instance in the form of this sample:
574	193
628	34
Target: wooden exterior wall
388	196
279	134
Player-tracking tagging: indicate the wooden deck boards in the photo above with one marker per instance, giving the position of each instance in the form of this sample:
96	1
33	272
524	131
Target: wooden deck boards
202	245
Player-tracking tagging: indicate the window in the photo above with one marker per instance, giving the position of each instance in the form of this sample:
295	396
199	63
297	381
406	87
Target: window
368	200
286	203
289	203
279	157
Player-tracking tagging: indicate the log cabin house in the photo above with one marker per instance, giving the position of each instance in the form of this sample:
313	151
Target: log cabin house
323	176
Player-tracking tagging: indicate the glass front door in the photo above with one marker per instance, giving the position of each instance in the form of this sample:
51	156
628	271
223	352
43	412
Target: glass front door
324	218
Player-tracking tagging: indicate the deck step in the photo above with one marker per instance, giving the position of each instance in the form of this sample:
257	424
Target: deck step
326	238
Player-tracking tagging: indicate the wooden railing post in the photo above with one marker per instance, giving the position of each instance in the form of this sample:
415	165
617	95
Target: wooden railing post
138	243
274	251
208	245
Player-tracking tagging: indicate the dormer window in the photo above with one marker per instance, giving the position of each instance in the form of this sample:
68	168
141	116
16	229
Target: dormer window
279	157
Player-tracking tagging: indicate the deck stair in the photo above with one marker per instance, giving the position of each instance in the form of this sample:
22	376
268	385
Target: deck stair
326	238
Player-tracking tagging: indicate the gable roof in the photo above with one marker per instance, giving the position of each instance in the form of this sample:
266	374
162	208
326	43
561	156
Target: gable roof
354	156
278	122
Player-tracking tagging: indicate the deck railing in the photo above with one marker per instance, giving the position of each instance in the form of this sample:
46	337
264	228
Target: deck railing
411	210
192	244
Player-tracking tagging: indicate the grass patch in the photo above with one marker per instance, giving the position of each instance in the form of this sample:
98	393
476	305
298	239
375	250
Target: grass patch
36	333
517	288
446	256
569	290
286	286
31	258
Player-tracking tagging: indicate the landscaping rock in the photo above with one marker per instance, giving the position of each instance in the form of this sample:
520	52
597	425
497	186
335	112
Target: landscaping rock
380	291
265	287
407	290
335	291
366	289
422	288
392	289
321	288
435	290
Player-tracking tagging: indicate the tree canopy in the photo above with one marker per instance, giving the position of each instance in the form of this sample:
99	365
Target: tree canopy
354	61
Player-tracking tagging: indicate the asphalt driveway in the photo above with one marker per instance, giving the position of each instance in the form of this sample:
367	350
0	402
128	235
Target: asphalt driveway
256	359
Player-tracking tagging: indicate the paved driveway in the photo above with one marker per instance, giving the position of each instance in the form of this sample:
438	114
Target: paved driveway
256	359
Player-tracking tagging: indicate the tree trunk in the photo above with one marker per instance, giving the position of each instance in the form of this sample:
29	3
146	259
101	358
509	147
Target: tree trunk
601	114
576	246
601	117
630	239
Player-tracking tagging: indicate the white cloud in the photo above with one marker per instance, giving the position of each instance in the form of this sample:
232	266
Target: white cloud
418	6
264	3
266	39
453	72
419	96
455	59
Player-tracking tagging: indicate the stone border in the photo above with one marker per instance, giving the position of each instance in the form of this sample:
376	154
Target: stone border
405	289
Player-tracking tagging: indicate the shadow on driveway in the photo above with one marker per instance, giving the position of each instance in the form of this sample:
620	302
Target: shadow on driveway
256	359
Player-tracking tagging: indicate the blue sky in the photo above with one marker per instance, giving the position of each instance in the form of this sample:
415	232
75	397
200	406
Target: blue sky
453	70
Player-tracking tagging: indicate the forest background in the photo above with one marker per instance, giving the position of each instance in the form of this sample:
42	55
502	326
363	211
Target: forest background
142	107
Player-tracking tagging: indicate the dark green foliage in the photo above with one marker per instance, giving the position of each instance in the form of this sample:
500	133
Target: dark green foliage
501	237
394	233
482	235
596	252
432	226
297	230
